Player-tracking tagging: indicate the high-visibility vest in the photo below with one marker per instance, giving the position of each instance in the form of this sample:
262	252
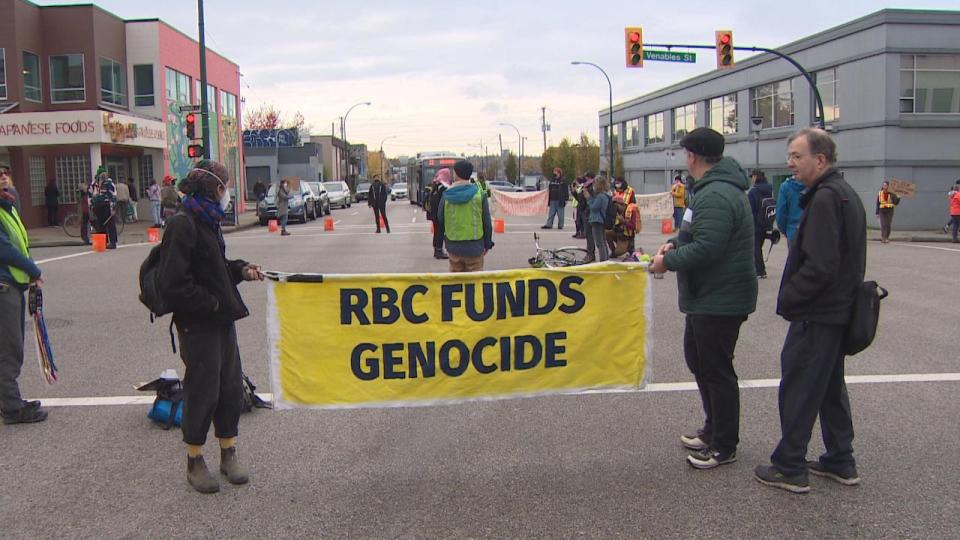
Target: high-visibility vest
626	196
886	199
10	221
679	193
464	221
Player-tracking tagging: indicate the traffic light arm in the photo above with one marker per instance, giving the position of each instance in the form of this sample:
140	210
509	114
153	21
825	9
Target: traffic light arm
804	72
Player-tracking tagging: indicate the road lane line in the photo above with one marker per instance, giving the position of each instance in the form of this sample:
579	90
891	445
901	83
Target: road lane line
927	247
652	387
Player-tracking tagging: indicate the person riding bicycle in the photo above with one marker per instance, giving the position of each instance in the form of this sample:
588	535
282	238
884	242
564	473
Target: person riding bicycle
103	201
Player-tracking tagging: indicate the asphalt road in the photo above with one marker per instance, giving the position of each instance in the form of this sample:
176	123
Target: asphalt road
599	465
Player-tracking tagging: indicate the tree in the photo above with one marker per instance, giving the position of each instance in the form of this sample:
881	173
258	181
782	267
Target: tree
511	166
588	155
374	161
493	165
267	116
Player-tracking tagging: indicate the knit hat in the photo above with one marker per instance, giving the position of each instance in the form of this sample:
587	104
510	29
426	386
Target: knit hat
463	169
703	142
442	177
101	169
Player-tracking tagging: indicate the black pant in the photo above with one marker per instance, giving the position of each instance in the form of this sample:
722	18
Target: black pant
437	236
52	211
811	383
12	317
708	345
212	384
106	222
380	211
85	227
758	239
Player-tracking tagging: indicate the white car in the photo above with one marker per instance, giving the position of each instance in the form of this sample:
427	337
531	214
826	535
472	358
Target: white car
339	193
398	191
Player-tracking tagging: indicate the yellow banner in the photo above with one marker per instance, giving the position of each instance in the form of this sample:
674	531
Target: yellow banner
416	339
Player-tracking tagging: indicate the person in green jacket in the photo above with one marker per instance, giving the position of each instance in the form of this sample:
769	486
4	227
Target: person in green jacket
717	281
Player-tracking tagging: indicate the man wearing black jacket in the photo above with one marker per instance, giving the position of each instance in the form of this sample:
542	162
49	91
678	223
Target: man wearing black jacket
824	268
557	198
377	199
761	190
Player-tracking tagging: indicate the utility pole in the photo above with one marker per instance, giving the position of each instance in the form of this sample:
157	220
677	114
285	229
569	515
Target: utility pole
204	105
543	126
500	155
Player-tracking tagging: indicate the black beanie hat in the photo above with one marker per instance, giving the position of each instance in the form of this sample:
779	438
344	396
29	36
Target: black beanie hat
463	169
703	142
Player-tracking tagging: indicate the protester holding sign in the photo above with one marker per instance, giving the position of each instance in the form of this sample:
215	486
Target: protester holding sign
886	201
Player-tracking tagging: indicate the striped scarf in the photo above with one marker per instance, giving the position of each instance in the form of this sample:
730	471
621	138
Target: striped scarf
207	210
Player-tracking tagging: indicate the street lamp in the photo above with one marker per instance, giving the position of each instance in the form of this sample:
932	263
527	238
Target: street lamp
343	131
381	153
610	86
519	148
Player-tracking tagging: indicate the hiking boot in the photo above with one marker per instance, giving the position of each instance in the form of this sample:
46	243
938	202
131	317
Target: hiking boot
699	441
284	233
199	476
29	413
235	472
710	458
439	254
847	478
768	475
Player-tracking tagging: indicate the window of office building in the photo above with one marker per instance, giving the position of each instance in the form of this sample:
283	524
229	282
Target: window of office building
228	104
66	78
38	179
112	87
774	102
3	73
827	86
178	86
31	77
930	83
143	85
723	114
684	120
631	133
654	125
146	174
72	173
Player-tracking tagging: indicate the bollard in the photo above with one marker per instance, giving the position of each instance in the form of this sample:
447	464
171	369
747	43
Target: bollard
328	224
153	235
498	226
272	225
666	226
99	241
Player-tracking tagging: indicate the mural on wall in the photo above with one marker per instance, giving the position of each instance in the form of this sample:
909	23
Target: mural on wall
177	142
214	152
231	155
270	138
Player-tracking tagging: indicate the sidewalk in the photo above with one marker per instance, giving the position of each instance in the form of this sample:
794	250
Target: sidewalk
133	233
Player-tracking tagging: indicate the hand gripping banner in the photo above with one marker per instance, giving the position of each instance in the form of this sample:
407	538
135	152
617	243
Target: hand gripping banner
342	341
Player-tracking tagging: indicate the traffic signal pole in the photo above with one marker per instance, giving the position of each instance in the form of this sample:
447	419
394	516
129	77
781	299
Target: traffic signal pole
204	105
821	121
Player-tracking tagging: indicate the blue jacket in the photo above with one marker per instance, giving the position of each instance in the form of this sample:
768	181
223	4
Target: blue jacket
11	256
598	207
788	207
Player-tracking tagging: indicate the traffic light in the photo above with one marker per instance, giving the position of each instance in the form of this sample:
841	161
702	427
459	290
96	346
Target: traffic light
195	151
724	43
633	46
191	121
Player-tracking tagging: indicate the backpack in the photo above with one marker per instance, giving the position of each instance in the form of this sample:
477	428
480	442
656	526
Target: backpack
167	408
767	213
610	217
866	315
150	284
250	398
428	200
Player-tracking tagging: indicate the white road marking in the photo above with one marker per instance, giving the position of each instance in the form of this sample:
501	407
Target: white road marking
90	252
652	387
926	247
354	214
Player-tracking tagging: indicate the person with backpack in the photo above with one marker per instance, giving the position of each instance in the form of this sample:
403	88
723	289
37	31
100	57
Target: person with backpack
198	284
103	204
713	257
762	204
169	199
788	208
603	215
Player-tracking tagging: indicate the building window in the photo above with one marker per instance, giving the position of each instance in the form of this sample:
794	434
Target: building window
66	78
212	99
112	87
31	77
3	73
143	85
774	102
178	86
196	91
723	114
827	86
684	120
930	83
38	180
72	174
146	174
654	128
228	104
631	133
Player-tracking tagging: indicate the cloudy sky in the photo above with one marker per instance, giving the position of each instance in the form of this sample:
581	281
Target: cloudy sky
443	75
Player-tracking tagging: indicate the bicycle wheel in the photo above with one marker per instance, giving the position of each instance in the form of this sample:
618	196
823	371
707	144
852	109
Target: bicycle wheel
570	256
120	223
71	225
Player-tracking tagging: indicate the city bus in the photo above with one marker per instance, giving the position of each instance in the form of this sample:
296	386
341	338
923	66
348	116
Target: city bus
422	169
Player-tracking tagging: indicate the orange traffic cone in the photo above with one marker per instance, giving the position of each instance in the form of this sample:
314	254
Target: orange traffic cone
328	224
666	226
498	226
272	225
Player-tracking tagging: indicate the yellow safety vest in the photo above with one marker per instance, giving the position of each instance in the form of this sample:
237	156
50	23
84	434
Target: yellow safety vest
886	200
18	237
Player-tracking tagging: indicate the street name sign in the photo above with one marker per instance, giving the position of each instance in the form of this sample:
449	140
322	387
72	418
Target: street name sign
670	56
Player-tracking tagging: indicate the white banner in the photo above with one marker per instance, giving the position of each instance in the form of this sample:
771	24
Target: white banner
655	205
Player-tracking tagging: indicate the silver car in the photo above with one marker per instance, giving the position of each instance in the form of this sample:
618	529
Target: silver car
339	194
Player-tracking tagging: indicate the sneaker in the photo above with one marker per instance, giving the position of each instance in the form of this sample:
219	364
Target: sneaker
284	233
29	413
848	478
768	475
699	441
710	458
546	227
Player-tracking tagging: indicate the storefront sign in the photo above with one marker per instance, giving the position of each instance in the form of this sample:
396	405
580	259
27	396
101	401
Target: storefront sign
80	127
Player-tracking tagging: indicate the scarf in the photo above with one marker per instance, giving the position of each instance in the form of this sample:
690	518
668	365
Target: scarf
207	210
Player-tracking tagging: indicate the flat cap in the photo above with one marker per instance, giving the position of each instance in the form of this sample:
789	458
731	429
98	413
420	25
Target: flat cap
703	142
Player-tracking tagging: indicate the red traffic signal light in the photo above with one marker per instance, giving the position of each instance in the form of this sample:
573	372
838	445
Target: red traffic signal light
724	42
195	151
633	46
191	121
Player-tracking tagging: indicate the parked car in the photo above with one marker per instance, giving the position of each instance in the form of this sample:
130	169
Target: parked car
323	198
503	185
339	193
398	191
363	190
302	205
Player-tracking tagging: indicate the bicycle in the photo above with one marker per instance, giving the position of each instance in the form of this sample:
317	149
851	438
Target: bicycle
71	225
557	258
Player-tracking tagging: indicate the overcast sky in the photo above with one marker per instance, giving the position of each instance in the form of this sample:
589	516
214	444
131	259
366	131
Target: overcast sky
442	75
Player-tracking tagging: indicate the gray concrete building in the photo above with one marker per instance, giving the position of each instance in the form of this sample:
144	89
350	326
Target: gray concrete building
272	164
890	85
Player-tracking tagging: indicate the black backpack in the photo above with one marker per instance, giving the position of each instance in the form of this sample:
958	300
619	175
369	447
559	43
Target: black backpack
150	284
610	217
767	213
865	317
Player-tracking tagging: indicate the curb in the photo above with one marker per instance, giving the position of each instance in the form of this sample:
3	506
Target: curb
79	243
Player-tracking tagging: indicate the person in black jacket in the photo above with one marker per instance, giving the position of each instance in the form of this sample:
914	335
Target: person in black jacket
441	181
377	199
761	190
825	267
199	283
51	196
557	199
